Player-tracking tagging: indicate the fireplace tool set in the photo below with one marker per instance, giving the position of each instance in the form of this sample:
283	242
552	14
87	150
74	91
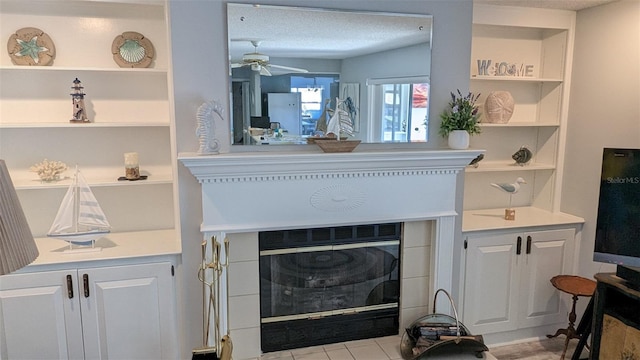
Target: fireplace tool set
210	274
439	334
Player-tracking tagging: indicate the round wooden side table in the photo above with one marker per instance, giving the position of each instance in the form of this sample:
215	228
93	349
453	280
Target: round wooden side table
575	286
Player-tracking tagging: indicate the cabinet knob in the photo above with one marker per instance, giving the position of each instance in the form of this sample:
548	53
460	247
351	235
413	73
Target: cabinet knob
519	246
528	244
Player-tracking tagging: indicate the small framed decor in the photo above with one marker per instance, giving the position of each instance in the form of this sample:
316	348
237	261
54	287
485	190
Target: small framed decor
31	46
132	49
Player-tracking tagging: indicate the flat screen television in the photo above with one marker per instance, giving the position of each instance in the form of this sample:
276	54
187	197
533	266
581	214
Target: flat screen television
617	239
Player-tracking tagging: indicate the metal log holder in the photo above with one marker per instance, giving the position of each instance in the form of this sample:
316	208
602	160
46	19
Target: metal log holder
439	334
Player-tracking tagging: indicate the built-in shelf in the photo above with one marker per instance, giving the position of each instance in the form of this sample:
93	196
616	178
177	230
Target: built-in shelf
36	184
516	79
518	124
24	179
528	216
158	71
115	246
48	125
507	166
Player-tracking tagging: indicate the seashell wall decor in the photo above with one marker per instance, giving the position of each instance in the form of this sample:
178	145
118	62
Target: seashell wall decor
132	49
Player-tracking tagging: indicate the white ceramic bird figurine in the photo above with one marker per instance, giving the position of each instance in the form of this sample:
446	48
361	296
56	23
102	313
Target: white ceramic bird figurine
510	188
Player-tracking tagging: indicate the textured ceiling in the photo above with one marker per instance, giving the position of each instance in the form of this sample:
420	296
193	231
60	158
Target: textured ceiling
574	5
312	33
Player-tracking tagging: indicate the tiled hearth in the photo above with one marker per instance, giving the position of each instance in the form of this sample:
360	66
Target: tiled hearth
243	193
386	348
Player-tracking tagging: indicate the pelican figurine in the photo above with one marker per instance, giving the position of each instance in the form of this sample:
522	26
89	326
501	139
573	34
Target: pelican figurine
510	188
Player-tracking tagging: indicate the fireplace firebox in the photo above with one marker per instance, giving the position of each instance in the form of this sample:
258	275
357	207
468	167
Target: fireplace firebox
327	285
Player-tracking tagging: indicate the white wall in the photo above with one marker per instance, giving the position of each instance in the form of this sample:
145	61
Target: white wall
604	109
199	56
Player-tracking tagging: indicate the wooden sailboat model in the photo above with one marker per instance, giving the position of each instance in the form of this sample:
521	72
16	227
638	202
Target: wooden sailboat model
339	123
80	219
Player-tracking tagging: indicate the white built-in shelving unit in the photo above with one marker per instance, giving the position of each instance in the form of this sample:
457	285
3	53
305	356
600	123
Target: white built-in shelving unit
506	293
130	111
543	40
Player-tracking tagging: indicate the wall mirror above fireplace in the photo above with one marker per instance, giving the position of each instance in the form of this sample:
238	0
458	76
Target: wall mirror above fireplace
289	64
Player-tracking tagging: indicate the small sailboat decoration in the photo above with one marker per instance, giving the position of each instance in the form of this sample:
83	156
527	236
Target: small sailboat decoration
80	219
339	123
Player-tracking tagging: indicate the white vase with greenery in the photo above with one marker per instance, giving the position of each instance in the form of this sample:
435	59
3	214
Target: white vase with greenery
460	120
458	139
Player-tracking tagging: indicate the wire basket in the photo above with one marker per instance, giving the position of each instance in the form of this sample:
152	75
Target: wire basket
439	334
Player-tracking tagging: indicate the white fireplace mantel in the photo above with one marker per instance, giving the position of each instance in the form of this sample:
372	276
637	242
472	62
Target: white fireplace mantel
256	191
248	192
207	168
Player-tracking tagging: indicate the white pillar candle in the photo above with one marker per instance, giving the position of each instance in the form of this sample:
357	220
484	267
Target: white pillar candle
131	166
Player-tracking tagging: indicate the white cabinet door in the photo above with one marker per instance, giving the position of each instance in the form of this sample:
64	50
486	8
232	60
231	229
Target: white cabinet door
507	279
491	284
129	312
40	316
548	253
118	312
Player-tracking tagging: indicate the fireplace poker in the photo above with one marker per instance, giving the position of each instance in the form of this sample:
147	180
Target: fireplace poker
227	344
217	268
206	352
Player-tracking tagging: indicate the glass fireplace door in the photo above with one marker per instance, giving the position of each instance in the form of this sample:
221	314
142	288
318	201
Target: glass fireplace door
310	279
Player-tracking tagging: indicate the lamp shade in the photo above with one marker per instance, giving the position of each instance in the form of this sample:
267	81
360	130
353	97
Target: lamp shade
17	246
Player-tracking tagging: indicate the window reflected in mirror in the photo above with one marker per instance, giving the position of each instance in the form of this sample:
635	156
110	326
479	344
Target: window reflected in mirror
400	110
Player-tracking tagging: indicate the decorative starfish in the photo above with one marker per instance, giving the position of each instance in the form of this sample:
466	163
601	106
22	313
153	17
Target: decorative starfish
30	48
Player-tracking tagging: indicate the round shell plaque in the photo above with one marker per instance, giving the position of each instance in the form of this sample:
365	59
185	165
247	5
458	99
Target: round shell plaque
31	46
132	49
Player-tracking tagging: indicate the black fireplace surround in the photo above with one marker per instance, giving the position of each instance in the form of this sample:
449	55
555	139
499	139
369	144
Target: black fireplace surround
326	285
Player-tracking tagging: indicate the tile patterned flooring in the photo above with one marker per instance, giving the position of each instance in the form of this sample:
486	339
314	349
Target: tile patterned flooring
388	348
385	348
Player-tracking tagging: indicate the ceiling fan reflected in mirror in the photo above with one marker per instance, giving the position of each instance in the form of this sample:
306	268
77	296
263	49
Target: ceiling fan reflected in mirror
260	62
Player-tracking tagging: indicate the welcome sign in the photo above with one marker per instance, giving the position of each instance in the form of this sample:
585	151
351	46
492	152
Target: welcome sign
503	68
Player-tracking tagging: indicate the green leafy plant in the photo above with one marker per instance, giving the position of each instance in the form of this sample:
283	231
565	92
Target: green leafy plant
462	114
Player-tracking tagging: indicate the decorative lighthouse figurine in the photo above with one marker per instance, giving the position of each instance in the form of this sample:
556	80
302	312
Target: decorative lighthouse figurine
77	97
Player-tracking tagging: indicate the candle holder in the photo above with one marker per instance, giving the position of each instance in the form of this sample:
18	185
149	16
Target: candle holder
131	166
509	214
